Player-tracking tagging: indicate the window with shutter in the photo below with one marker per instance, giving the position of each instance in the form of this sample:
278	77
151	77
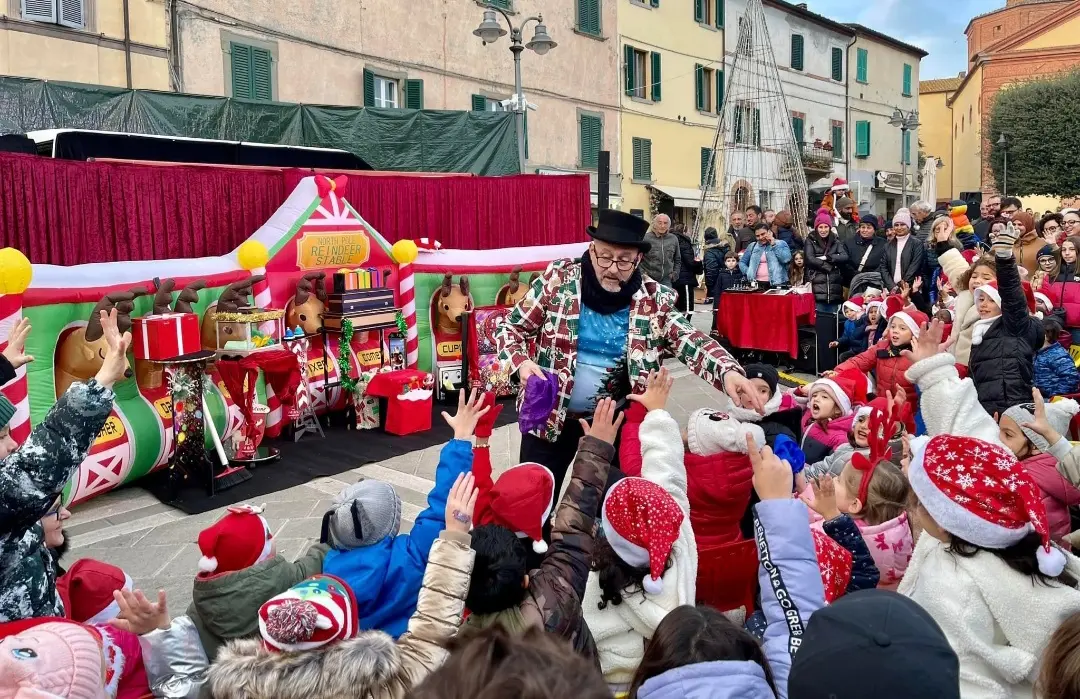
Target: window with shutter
414	94
719	14
654	3
797	51
699	86
589	16
241	71
862	60
504	4
862	139
719	92
628	59
262	79
479	103
369	88
642	152
757	126
799	127
39	10
907	80
838	141
708	169
656	77
71	13
838	64
737	126
699	10
591	136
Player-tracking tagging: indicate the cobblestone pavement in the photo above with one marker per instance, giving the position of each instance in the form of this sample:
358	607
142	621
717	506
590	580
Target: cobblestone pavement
155	543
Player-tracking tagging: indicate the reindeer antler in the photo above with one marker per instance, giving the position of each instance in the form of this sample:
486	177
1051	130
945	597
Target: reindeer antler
882	428
163	295
123	302
306	285
447	284
515	276
187	296
236	294
320	286
464	284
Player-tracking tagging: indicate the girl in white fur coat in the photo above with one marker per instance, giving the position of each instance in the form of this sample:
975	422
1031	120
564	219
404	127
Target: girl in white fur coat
630	589
984	567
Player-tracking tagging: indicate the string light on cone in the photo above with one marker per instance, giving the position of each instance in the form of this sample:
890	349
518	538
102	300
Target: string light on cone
15	275
404	253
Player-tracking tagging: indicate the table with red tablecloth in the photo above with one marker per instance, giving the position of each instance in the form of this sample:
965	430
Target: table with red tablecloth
768	322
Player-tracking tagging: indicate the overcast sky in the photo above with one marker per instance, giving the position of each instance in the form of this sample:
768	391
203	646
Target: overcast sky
935	26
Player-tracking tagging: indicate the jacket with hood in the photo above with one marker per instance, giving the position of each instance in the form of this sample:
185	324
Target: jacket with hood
997	620
777	257
663	259
854	338
888	365
825	276
891	544
791	591
1027	248
226	606
1058	494
369	666
1064	292
818	442
1055	371
621	630
387	575
965	314
786	233
1002	364
713	259
688	266
31	479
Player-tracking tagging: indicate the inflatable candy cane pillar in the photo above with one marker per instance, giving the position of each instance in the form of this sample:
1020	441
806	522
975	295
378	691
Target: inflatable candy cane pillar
404	253
15	274
253	256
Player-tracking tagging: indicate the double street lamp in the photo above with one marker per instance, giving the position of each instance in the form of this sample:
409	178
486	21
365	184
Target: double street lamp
490	30
907	121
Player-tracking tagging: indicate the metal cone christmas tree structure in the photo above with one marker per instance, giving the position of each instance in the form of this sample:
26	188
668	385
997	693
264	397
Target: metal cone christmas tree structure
755	158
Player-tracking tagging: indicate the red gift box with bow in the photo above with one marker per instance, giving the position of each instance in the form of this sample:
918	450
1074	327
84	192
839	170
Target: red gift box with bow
165	336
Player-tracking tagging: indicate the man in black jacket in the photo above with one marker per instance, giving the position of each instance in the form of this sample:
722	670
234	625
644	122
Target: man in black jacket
689	268
904	258
865	250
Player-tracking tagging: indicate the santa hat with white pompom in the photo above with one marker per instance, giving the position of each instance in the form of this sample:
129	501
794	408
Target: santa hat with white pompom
238	540
641	521
521	501
979	492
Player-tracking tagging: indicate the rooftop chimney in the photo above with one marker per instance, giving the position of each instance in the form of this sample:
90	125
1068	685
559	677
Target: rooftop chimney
801	6
963	74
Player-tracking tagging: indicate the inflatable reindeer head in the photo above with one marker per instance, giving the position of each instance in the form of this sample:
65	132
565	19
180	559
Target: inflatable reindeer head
514	290
235	296
306	307
451	302
81	352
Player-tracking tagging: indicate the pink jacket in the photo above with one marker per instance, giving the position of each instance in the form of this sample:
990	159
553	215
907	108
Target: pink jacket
891	545
827	440
1058	494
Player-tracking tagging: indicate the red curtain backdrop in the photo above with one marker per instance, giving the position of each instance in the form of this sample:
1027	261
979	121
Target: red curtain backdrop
67	213
471	213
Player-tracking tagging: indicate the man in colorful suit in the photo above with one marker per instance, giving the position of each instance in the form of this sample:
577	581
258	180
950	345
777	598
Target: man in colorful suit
600	326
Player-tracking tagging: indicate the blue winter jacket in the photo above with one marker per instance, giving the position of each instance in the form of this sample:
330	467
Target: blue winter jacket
864	572
791	591
778	255
386	577
854	339
1055	371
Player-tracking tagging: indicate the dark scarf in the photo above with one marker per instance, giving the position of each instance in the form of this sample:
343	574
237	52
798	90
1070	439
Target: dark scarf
893	351
598	299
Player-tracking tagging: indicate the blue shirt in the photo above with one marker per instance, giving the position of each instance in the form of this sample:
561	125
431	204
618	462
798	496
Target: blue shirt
601	347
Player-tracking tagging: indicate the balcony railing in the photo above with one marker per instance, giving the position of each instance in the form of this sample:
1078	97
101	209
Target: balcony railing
817	158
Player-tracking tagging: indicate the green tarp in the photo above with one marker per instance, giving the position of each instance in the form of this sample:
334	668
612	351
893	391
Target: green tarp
482	143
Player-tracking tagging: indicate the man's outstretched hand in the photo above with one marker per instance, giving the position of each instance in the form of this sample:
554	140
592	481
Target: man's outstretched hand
742	393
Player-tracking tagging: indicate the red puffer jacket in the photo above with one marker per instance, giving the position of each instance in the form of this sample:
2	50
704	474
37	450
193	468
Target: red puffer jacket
887	365
1065	293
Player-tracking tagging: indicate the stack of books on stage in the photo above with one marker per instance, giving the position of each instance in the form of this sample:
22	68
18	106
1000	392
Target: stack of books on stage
370	308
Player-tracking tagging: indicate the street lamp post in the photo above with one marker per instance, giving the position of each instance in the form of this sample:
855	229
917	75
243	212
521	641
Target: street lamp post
1003	141
490	30
907	121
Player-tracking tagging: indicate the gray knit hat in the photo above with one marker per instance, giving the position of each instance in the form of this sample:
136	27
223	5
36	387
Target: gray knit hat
7	411
363	514
1059	414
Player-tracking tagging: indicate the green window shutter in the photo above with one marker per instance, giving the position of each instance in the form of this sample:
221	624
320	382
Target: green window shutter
838	142
737	125
757	126
862	139
708	168
369	88
799	127
907	80
797	51
719	91
262	80
504	4
838	64
719	14
861	65
591	136
637	169
589	16
654	3
414	94
628	57
699	10
479	103
699	86
241	70
656	76
646	158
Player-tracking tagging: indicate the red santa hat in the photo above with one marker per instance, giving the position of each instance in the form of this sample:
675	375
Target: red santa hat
428	245
855	303
1029	296
87	591
979	492
238	540
990	290
847	388
1042	298
311	614
835	564
521	500
840	185
641	522
914	320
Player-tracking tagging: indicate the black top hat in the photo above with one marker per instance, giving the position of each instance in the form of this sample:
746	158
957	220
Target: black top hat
620	228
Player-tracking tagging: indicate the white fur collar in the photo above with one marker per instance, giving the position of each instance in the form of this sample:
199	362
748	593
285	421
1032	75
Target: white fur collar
980	328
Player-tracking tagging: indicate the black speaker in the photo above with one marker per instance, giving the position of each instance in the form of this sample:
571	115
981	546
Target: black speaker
826	330
603	180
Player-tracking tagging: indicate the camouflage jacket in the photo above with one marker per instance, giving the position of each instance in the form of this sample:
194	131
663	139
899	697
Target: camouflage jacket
543	328
557	586
31	479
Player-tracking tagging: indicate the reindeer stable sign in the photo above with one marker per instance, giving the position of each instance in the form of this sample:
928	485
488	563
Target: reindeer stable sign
338	249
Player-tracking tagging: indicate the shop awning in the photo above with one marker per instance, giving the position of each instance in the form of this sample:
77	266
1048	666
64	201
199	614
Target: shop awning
685	197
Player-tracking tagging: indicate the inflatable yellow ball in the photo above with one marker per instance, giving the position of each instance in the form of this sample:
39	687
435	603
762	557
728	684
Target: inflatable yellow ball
252	255
404	252
15	271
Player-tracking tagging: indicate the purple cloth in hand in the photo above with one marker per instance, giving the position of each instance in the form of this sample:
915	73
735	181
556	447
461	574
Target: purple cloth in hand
541	395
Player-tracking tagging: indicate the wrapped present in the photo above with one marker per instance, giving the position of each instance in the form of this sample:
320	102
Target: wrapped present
165	336
368	415
409	412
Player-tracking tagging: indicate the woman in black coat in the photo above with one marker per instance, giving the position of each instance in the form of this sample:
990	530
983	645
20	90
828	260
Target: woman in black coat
1002	363
825	258
689	268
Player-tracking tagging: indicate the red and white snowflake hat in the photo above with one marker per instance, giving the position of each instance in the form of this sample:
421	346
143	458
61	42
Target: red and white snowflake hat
835	563
980	492
641	522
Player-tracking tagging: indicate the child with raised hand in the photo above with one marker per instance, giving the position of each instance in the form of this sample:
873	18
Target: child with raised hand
384	568
886	358
646	564
32	476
